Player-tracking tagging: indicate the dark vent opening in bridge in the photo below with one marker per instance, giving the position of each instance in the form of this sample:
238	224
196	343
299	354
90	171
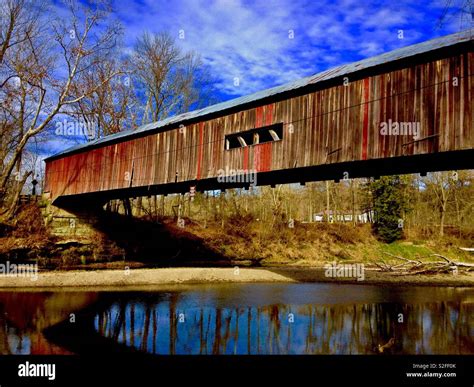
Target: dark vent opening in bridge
254	136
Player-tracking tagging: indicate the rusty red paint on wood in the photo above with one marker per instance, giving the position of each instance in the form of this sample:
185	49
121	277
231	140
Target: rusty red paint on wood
267	153
263	157
269	114
246	159
259	117
365	129
382	143
263	152
200	149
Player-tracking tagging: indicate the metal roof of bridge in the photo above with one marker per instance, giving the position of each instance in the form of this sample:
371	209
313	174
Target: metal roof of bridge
401	53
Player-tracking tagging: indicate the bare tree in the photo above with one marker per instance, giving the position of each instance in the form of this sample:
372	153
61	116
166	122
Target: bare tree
440	184
457	11
173	80
112	107
43	64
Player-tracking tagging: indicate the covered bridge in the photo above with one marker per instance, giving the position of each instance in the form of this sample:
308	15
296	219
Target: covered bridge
406	111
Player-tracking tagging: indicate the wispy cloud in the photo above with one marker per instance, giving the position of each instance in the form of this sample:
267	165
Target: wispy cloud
266	43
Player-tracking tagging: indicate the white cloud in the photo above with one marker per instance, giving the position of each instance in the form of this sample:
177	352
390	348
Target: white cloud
250	40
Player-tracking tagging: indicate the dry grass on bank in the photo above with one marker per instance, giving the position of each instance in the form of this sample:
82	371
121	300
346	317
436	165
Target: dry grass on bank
315	243
239	240
27	230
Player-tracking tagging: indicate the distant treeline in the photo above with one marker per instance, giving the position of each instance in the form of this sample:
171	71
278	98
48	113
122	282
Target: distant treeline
397	206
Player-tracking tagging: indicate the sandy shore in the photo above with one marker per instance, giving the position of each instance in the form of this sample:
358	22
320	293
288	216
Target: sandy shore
164	276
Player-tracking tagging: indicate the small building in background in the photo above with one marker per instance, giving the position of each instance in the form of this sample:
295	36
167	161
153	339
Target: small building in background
342	217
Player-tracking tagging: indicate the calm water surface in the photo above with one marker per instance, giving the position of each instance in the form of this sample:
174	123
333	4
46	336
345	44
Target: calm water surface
242	319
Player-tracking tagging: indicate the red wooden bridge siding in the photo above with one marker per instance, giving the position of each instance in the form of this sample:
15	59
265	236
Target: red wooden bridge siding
332	125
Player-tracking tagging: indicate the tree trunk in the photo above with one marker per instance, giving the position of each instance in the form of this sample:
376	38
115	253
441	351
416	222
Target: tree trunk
441	224
127	207
9	214
353	203
327	201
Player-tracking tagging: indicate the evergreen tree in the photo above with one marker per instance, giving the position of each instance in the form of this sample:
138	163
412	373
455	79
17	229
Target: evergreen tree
389	206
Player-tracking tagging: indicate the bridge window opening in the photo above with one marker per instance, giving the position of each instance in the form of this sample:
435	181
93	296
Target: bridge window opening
232	142
256	136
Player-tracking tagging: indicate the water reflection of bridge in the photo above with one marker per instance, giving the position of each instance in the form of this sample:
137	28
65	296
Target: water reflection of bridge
182	322
171	323
25	315
160	328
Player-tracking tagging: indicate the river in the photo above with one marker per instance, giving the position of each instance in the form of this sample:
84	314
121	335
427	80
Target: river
303	318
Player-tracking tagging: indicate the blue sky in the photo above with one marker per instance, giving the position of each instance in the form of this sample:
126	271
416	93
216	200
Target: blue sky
266	43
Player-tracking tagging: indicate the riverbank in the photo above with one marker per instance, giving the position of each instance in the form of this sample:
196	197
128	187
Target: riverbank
141	243
168	276
132	252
